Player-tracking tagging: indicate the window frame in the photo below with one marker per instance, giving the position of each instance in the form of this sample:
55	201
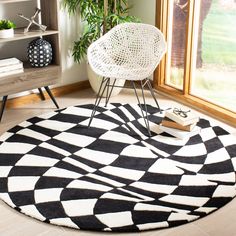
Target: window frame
183	95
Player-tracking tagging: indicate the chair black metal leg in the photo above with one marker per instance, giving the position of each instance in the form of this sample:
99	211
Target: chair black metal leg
145	107
41	94
4	100
98	99
109	96
153	95
145	120
51	96
107	92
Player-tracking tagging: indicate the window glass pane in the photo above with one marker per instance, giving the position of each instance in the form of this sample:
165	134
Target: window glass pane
214	73
177	29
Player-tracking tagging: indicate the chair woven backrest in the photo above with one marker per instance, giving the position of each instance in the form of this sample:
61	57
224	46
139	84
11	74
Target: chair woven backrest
129	51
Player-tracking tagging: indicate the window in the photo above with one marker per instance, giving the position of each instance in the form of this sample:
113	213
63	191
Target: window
214	70
200	63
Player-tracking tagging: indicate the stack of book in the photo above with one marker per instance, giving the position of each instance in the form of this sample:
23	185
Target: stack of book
10	66
180	123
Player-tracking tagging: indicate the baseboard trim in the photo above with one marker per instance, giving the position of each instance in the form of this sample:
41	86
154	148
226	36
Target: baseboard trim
58	91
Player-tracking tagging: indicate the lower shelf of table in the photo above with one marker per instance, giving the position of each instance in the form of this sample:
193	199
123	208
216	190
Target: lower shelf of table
31	78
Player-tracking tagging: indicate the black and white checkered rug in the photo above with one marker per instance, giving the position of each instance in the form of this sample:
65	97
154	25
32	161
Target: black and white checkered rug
112	177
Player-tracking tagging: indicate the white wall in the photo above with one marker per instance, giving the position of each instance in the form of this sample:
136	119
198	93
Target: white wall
70	28
144	9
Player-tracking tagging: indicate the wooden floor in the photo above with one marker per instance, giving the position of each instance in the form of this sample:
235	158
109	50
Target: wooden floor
12	223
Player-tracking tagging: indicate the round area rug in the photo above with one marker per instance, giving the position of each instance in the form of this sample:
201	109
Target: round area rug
112	177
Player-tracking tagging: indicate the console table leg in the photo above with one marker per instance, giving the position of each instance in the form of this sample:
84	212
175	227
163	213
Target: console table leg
4	100
41	94
51	96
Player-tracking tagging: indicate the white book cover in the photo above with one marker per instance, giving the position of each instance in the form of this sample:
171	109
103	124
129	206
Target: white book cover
178	116
181	134
11	67
12	72
9	61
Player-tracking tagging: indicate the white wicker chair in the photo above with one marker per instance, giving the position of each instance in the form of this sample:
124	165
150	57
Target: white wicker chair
129	51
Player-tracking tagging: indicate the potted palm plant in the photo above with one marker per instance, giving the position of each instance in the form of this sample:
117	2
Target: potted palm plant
99	16
6	29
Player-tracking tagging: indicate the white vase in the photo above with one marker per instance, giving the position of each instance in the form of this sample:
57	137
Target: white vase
95	82
6	33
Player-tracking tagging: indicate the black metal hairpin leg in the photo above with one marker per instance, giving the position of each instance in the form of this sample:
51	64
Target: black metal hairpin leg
107	92
145	107
146	121
41	94
109	95
98	98
51	96
4	100
152	93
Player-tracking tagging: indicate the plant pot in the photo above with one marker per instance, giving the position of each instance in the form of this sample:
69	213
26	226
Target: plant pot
95	82
7	33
